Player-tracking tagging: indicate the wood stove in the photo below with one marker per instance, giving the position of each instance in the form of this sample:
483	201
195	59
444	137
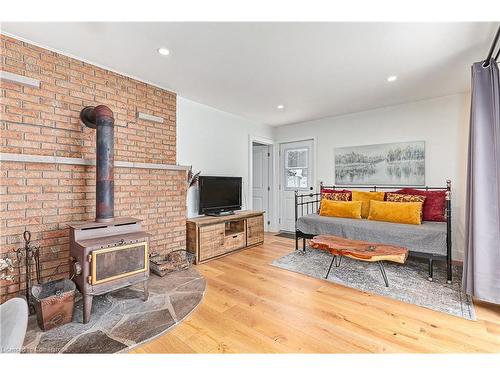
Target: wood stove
109	253
108	256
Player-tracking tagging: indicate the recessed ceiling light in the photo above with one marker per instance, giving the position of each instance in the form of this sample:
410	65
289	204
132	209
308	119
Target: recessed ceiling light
280	106
163	51
392	78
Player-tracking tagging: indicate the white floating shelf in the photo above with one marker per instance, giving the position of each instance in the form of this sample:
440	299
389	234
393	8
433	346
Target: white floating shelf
148	117
16	78
26	158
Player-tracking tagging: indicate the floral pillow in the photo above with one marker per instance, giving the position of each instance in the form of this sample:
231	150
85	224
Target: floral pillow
335	195
395	197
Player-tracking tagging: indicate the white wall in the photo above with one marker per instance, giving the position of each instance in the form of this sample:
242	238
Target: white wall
441	122
215	142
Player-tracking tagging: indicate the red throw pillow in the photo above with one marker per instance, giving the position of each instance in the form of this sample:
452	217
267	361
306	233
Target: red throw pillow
434	205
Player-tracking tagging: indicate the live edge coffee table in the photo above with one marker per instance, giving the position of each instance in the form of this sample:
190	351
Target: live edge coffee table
359	250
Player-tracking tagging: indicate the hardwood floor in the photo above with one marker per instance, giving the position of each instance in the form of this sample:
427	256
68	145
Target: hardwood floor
253	307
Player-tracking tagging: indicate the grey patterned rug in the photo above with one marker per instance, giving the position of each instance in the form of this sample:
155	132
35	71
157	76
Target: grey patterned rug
121	320
407	283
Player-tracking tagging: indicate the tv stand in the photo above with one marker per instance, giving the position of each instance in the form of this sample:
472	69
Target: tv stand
219	214
210	237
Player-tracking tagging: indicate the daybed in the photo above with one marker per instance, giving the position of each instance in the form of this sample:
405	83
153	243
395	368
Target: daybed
430	240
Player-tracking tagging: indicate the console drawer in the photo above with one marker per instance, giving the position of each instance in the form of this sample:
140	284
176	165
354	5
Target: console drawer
235	241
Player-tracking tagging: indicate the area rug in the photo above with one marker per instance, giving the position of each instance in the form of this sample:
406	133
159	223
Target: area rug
407	283
286	235
121	320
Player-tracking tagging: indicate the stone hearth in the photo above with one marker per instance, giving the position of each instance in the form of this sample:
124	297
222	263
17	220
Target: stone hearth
121	320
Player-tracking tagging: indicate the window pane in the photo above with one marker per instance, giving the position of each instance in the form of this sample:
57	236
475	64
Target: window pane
296	158
296	178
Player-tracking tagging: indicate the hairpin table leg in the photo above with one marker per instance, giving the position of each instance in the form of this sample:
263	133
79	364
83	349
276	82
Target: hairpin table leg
431	263
330	268
382	271
339	261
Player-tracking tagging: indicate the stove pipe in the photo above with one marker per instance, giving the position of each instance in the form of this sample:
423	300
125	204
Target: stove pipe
101	119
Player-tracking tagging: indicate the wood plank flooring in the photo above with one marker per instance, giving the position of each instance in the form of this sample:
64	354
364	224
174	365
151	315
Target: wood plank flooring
253	307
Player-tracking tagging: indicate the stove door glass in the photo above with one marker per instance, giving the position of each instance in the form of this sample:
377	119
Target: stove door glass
117	262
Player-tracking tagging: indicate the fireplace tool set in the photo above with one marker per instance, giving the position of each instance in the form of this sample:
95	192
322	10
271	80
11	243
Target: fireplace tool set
51	301
31	255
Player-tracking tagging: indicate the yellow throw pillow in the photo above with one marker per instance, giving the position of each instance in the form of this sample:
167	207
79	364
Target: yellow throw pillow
347	209
396	212
366	197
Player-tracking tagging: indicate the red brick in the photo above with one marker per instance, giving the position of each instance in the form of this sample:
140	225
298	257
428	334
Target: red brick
43	197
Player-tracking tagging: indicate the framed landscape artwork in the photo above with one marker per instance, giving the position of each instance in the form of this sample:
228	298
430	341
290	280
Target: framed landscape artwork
400	163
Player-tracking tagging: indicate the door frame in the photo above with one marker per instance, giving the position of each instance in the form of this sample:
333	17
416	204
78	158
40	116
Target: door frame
272	216
278	163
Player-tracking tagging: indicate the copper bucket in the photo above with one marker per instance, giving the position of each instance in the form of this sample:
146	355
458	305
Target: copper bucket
54	302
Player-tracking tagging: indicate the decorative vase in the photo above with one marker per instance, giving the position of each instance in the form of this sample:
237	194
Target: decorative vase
192	202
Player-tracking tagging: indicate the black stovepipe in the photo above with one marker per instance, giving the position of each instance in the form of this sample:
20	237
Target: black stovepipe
101	119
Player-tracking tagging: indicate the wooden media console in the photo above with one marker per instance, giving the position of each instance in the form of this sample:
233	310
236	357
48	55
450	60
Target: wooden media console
209	237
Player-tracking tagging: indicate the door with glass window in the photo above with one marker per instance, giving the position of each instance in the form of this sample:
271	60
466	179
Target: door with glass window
296	173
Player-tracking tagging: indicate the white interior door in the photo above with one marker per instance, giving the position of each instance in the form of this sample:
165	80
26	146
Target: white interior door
296	173
260	181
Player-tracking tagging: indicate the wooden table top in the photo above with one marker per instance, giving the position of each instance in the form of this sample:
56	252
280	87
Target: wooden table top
360	250
208	220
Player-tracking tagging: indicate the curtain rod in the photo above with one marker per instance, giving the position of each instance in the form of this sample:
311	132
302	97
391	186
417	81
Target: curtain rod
492	48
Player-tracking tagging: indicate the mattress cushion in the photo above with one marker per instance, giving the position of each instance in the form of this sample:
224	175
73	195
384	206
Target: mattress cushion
429	237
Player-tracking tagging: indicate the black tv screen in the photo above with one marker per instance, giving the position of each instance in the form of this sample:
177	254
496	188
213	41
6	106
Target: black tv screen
219	194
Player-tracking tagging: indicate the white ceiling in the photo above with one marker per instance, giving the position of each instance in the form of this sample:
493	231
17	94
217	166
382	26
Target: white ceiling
314	69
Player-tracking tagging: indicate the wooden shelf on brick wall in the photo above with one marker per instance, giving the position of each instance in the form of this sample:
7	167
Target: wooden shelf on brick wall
211	237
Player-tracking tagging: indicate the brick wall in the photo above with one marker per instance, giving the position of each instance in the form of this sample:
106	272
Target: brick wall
44	197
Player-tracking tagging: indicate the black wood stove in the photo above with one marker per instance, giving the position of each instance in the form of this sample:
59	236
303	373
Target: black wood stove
108	253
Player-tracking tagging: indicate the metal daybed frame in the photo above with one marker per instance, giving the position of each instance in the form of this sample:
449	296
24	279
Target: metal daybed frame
308	203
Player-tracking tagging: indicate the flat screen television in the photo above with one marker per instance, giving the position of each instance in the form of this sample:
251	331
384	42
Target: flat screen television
219	195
